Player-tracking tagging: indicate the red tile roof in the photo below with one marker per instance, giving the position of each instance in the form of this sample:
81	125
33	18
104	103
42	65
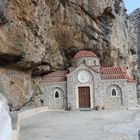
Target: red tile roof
84	53
57	76
118	72
53	80
107	73
59	73
113	70
112	77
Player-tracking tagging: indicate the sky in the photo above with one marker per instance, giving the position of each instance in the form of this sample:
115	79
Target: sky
131	5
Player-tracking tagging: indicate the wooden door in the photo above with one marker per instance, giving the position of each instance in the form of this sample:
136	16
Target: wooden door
84	97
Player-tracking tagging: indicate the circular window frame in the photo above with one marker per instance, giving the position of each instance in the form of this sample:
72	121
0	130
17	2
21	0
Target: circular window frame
86	76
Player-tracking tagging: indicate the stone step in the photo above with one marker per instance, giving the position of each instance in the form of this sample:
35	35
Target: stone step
85	109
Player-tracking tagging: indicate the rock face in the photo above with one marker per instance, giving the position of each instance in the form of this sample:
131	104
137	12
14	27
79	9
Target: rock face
135	20
5	121
39	36
15	86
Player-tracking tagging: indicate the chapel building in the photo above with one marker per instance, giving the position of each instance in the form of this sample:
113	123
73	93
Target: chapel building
87	85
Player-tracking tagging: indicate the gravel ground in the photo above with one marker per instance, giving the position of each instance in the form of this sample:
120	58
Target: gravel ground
82	125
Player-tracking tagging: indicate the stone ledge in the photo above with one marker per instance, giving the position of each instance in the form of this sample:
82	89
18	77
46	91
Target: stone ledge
17	117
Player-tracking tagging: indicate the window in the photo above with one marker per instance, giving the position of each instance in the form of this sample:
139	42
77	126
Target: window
114	92
84	61
57	95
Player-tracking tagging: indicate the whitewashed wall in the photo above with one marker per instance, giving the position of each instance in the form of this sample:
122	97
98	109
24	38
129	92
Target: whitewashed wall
5	121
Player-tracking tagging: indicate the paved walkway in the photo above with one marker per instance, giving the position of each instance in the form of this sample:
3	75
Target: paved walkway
82	125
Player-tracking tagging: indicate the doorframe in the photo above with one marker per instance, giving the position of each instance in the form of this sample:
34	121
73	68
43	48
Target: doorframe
91	94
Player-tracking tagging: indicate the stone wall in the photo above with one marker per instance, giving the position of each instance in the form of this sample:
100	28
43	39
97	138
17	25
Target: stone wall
101	91
132	94
49	95
118	101
73	84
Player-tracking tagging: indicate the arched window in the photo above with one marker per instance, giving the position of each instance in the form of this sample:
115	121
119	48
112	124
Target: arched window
56	95
84	61
114	92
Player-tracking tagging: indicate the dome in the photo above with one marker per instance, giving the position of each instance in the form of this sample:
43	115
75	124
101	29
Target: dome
84	53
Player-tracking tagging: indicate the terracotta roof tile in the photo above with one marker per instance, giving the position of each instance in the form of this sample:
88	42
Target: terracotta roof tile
59	73
107	73
84	53
57	76
118	72
112	77
113	70
48	81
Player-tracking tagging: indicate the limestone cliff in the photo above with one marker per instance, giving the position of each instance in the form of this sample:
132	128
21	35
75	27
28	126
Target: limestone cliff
38	36
135	20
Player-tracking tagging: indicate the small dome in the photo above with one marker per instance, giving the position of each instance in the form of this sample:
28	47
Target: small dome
84	53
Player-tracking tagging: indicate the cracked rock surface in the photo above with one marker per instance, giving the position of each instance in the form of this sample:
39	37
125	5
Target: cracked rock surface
39	36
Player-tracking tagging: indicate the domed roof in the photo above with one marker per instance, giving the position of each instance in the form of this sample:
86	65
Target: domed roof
84	53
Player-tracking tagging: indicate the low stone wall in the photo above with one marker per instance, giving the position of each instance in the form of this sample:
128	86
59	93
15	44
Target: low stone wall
23	115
